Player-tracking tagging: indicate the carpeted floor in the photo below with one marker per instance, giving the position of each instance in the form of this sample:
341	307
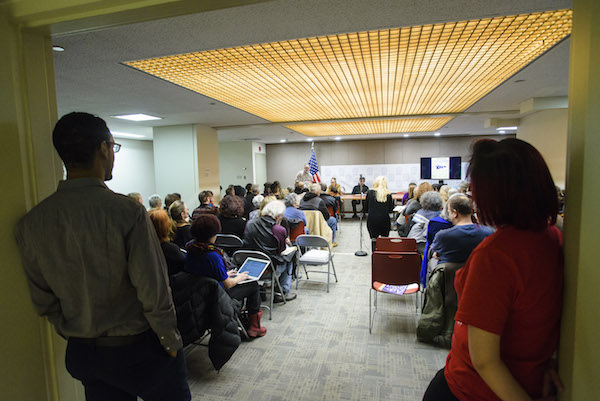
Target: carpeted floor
318	347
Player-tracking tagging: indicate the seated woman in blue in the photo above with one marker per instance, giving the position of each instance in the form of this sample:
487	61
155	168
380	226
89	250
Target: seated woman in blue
205	259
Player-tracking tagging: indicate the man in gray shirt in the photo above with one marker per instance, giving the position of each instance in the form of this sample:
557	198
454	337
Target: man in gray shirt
96	270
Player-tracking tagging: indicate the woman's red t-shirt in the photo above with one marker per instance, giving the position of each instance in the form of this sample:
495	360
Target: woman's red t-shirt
511	285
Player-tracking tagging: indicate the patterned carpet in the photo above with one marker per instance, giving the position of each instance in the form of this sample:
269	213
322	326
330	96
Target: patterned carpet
318	347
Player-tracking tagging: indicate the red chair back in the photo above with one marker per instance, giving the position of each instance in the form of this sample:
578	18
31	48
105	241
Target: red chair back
296	231
395	268
330	210
388	244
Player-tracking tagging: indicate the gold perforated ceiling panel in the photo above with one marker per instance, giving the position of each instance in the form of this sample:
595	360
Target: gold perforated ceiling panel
428	69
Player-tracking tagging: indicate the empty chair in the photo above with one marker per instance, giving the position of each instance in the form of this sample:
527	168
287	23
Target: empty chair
393	273
229	243
313	255
239	257
388	244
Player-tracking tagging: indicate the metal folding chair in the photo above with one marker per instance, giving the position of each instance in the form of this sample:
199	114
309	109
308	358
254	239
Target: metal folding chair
229	243
314	256
239	257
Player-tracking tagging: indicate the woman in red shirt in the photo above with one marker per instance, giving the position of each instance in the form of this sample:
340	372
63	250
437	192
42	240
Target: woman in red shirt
510	290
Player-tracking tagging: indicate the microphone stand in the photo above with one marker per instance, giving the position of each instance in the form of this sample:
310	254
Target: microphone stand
360	251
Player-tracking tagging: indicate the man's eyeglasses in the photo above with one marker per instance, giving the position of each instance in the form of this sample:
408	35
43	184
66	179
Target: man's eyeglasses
116	146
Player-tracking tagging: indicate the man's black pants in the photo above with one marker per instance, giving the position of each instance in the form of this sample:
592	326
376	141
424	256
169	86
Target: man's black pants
121	373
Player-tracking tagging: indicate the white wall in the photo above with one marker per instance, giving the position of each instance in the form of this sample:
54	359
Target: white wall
134	169
285	160
235	163
547	131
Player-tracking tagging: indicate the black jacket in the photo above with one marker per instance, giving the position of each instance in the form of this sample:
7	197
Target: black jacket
201	304
259	237
311	201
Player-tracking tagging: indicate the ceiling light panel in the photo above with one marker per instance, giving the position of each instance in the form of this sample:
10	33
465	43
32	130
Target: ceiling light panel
428	69
370	127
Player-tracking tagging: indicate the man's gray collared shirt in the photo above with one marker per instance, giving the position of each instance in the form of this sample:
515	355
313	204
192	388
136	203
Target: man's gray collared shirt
94	264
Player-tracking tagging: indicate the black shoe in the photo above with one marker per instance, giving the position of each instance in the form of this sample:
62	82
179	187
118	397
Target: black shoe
290	296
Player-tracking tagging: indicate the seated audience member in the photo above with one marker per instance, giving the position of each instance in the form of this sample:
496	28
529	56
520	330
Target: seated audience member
312	201
205	259
267	235
248	205
136	196
230	190
405	221
509	292
292	213
436	187
276	190
231	210
431	206
155	202
267	191
444	193
174	255
206	206
408	195
435	225
463	188
361	188
179	214
299	188
456	244
256	202
328	199
238	190
169	199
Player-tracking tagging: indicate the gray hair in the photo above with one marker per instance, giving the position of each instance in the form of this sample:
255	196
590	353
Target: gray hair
431	200
290	200
274	209
314	188
256	200
254	188
452	191
155	201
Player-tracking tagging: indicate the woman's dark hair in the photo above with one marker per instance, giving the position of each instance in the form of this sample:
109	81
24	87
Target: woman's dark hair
268	188
511	185
169	199
231	206
77	136
205	226
239	191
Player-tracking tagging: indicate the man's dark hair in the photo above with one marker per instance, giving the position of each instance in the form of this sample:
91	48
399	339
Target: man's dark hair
462	204
169	199
77	136
203	196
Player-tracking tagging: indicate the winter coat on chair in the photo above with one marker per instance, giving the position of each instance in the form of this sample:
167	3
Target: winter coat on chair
202	304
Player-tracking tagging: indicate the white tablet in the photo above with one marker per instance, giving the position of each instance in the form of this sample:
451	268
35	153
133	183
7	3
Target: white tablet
254	267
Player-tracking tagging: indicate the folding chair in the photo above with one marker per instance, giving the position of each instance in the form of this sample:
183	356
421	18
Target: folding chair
390	244
239	257
229	243
393	273
297	231
312	256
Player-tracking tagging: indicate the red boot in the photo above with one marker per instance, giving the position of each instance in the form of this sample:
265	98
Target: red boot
255	330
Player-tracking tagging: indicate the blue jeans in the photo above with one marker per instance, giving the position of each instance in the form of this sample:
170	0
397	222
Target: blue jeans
332	223
122	373
285	276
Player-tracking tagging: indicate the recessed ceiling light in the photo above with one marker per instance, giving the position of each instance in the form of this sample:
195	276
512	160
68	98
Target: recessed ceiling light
125	135
138	117
337	138
437	134
502	132
58	48
283	140
309	140
507	128
406	135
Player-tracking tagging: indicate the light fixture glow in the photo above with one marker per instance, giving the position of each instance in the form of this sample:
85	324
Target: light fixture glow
437	134
283	140
309	139
502	132
338	138
398	72
406	135
138	117
125	135
370	127
507	128
57	48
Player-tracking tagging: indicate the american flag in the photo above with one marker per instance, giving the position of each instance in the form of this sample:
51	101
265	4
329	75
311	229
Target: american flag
314	166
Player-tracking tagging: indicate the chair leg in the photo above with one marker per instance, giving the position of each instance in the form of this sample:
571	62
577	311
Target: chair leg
328	275
242	329
370	318
334	274
280	290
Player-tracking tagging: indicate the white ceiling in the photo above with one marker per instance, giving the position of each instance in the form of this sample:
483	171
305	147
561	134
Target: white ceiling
90	75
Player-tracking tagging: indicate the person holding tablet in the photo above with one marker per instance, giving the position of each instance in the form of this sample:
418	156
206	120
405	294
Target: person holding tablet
205	259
